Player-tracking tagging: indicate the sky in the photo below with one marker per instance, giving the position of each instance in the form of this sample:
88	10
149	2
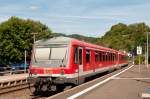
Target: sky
86	17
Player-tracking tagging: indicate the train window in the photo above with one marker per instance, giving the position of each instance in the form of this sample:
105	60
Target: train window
58	53
76	55
46	54
110	57
107	56
87	56
104	56
96	56
42	53
80	56
100	56
113	57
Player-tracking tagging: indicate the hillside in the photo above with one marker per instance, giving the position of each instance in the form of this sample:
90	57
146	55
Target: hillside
125	37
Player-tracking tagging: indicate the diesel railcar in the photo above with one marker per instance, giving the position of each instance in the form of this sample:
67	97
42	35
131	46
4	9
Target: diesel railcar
62	60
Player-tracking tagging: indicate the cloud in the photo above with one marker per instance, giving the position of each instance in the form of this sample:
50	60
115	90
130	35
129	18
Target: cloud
3	18
34	8
96	17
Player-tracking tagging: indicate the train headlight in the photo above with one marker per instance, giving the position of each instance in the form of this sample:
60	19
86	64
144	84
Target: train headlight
76	71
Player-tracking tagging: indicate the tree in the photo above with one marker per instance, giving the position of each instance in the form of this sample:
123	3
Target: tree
16	37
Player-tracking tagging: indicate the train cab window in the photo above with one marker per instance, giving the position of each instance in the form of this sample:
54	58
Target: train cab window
58	53
87	56
100	56
96	56
42	53
76	55
80	56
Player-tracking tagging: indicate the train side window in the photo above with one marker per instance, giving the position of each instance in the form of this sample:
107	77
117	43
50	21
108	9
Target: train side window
80	56
111	56
104	56
115	57
107	56
76	55
100	56
96	56
87	56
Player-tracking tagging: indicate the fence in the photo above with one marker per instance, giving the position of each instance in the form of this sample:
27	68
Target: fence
11	72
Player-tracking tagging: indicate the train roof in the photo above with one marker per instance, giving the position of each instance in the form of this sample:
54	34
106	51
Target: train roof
60	40
67	40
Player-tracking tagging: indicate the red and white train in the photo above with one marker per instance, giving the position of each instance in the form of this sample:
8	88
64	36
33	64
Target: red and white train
63	60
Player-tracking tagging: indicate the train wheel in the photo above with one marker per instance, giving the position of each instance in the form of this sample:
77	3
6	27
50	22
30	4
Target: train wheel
37	87
44	87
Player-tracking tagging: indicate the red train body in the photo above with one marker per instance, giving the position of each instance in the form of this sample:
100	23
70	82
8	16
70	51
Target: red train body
66	60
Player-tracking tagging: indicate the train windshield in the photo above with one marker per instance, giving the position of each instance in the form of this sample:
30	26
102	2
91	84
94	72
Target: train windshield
53	56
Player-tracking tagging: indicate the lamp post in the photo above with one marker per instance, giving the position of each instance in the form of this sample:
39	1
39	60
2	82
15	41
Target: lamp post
25	60
145	54
147	49
34	37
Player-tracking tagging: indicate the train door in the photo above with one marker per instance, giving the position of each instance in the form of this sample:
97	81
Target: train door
80	64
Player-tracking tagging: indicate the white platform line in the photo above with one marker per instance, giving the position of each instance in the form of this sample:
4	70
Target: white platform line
96	85
130	78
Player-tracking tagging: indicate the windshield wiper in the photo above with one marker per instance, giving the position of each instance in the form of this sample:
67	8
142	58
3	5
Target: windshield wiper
64	58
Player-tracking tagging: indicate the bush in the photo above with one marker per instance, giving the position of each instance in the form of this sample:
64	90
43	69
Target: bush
142	59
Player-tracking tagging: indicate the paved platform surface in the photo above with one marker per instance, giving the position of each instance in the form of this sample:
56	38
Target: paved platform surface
13	77
128	85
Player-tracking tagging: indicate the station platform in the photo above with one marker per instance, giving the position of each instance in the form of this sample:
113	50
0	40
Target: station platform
129	85
13	77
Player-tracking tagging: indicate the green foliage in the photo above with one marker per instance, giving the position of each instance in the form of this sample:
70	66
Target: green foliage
16	36
142	60
125	37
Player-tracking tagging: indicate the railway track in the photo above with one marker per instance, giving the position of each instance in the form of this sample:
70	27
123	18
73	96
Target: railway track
6	90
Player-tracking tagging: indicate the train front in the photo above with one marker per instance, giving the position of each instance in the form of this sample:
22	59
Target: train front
49	64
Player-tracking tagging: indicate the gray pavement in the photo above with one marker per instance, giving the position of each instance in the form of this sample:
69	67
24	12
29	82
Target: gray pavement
129	85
